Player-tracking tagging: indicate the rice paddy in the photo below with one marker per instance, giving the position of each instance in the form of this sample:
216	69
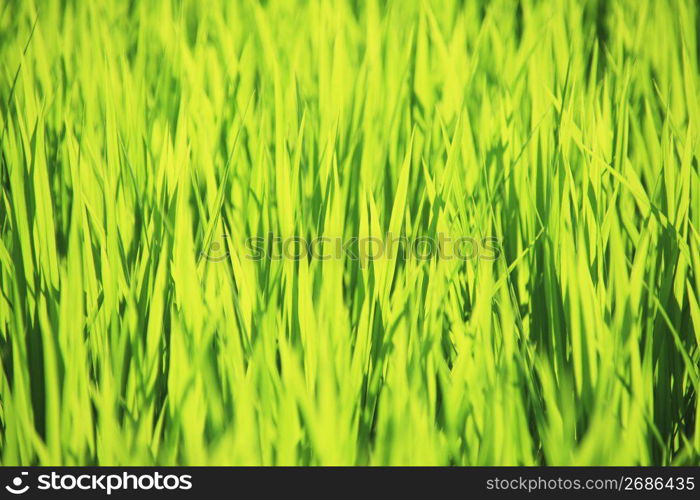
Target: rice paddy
155	153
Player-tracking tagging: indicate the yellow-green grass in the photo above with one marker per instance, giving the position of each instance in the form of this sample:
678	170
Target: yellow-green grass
140	136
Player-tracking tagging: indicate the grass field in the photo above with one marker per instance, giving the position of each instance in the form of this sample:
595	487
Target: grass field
146	144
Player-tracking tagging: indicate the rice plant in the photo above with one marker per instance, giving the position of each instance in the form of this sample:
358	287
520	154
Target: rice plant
154	153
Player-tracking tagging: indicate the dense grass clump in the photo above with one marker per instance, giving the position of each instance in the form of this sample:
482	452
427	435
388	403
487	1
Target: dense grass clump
154	154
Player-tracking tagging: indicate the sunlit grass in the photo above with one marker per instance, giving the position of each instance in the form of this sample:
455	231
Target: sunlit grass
135	135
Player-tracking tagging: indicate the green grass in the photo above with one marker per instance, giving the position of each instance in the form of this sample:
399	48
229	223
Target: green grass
138	135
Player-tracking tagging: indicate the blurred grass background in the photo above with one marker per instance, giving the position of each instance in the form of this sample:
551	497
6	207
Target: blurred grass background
137	134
